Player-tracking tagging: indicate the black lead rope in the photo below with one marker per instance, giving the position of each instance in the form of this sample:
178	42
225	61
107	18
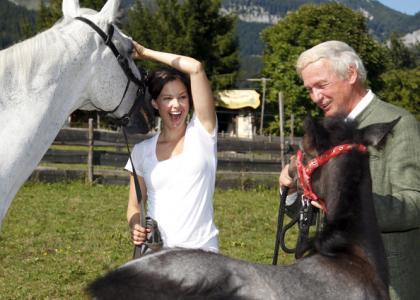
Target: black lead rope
280	220
305	218
153	241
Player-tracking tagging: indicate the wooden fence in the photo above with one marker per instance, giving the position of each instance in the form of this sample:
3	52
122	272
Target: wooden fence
238	159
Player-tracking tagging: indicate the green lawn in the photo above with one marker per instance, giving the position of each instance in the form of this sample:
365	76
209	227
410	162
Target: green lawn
56	238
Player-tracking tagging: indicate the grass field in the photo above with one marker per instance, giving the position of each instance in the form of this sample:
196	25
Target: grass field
57	238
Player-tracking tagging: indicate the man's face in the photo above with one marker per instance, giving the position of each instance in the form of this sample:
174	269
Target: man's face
328	90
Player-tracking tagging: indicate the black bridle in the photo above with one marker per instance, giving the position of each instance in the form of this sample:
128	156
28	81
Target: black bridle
122	61
153	241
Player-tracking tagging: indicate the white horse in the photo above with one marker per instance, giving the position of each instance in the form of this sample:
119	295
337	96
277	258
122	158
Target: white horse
45	78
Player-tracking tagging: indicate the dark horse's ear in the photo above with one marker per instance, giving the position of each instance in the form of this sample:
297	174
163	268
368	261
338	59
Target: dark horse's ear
309	138
316	137
374	134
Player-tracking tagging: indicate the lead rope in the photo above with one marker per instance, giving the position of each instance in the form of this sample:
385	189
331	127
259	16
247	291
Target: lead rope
306	215
153	240
305	218
280	220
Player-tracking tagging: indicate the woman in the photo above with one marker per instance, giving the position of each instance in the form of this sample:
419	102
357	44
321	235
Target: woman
177	167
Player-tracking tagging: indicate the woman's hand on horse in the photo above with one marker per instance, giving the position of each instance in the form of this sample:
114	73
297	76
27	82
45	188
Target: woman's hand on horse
138	234
137	51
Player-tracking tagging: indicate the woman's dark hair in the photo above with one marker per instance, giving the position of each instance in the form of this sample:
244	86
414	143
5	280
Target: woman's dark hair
157	80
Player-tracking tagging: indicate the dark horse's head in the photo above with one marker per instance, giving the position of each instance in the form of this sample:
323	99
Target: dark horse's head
342	184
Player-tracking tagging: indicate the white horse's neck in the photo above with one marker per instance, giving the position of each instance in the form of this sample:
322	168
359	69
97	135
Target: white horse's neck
37	105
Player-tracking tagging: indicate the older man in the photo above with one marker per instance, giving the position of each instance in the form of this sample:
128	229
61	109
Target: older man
334	76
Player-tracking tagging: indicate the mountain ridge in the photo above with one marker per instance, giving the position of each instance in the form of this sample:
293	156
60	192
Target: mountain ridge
381	20
255	15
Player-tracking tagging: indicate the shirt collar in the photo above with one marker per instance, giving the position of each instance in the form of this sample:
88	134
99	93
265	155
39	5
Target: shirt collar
361	105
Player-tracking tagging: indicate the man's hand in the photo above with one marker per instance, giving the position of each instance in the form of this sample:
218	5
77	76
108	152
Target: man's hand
285	179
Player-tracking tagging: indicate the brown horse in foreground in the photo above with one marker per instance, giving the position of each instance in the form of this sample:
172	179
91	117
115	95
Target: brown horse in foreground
347	259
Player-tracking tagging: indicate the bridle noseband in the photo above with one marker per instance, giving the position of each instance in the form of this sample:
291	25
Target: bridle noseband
305	171
122	60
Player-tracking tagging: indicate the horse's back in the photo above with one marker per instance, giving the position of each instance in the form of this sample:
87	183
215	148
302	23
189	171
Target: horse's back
169	274
196	274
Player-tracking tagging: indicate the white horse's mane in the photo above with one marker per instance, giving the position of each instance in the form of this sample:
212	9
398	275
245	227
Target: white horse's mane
26	54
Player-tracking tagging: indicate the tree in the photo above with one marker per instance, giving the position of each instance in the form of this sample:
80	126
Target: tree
48	14
191	27
402	88
401	56
26	29
51	13
16	23
303	29
415	53
93	4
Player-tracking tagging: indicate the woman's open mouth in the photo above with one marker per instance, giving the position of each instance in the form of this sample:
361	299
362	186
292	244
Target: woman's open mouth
175	116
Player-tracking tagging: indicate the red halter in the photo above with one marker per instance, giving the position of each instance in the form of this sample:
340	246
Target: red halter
305	172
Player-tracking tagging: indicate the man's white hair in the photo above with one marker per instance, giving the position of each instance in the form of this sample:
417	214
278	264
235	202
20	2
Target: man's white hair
339	54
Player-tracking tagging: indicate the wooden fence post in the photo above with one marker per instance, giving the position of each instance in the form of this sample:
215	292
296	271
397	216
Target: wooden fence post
281	121
292	129
90	153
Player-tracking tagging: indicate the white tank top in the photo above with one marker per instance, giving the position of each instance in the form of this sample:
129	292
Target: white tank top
180	189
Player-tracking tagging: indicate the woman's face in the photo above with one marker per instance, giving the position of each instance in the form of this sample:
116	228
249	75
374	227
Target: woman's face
173	104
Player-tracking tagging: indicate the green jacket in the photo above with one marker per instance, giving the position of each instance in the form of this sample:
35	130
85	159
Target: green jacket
395	170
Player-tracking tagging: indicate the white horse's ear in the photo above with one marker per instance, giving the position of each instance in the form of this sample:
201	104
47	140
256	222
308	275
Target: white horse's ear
108	13
70	8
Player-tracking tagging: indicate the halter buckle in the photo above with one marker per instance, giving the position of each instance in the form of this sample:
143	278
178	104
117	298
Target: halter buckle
304	211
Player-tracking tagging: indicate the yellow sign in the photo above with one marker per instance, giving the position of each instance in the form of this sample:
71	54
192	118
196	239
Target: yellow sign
235	99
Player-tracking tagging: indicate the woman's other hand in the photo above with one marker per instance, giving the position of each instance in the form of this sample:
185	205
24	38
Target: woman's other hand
138	234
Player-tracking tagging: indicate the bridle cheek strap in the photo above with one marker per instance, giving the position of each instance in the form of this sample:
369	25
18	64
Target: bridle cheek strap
122	61
305	172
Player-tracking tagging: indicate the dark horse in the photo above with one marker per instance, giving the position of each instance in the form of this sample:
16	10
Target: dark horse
347	260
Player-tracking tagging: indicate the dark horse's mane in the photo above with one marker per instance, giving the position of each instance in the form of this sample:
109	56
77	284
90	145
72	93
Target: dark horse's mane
336	237
344	227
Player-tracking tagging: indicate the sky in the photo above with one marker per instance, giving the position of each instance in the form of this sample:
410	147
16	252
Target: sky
406	6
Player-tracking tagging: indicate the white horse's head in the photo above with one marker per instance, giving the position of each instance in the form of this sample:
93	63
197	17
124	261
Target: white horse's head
45	78
111	86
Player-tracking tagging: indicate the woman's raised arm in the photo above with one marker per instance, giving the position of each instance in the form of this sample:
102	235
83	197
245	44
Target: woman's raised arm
202	94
